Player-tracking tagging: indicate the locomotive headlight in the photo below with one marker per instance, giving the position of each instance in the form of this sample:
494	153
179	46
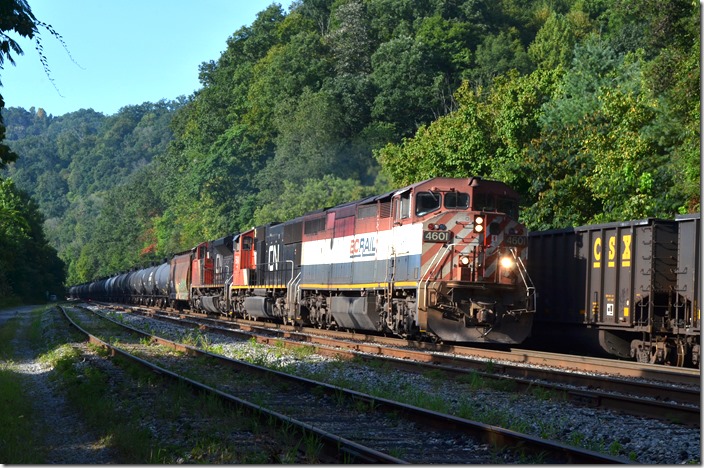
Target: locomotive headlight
507	263
464	260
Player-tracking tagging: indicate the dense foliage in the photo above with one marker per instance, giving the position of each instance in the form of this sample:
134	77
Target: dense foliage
30	269
589	108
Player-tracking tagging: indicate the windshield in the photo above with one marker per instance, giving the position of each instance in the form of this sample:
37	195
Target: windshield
427	202
456	200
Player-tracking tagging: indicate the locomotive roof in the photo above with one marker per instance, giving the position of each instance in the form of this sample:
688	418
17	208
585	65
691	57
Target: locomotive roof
374	198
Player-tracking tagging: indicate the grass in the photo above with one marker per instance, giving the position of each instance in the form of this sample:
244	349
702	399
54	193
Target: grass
19	442
19	439
112	410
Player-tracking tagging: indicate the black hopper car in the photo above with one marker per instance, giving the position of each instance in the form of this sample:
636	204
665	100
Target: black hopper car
624	289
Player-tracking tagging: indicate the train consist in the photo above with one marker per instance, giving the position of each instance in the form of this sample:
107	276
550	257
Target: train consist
442	259
629	289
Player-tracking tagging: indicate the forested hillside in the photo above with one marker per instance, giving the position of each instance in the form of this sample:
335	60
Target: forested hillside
30	269
589	108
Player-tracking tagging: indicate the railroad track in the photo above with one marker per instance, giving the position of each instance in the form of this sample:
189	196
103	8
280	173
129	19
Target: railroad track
571	363
351	425
675	403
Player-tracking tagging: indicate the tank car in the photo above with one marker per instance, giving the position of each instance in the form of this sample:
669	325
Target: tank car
625	289
443	258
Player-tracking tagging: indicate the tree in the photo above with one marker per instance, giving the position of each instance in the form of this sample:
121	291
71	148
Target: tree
553	44
410	89
28	266
16	16
500	53
313	194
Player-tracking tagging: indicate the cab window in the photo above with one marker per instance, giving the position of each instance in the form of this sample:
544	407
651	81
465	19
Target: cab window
484	202
427	202
509	206
403	206
456	200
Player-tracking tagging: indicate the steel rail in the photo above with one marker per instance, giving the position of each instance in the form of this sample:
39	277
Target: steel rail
559	453
335	447
678	405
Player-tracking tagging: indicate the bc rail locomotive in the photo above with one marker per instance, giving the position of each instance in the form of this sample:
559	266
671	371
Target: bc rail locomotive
442	259
626	289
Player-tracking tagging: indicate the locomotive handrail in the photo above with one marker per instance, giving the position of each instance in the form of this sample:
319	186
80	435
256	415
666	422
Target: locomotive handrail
434	263
425	279
228	282
525	277
291	295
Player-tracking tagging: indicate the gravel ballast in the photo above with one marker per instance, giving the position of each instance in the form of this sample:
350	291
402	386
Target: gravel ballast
641	440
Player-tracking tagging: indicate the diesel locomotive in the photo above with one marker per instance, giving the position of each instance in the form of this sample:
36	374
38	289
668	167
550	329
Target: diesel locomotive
443	259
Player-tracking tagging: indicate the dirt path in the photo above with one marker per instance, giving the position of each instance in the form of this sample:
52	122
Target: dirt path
65	437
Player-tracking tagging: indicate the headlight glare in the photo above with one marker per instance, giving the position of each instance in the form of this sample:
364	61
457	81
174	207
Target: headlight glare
507	263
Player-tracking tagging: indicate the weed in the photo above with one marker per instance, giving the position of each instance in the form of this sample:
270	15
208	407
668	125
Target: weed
18	439
502	385
577	439
145	341
472	379
303	351
467	409
490	366
363	405
615	448
542	393
397	452
313	447
435	374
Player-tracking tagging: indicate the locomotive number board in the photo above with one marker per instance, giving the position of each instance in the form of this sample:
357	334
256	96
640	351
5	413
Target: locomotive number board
437	236
516	241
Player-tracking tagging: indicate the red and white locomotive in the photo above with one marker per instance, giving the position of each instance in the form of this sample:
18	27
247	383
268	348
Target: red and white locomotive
441	259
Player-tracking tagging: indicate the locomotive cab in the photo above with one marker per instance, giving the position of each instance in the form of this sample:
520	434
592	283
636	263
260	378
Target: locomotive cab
211	271
473	286
244	262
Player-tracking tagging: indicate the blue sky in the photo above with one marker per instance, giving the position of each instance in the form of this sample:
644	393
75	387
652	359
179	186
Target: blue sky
125	52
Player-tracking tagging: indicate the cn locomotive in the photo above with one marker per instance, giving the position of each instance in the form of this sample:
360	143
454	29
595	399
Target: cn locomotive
443	259
626	289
